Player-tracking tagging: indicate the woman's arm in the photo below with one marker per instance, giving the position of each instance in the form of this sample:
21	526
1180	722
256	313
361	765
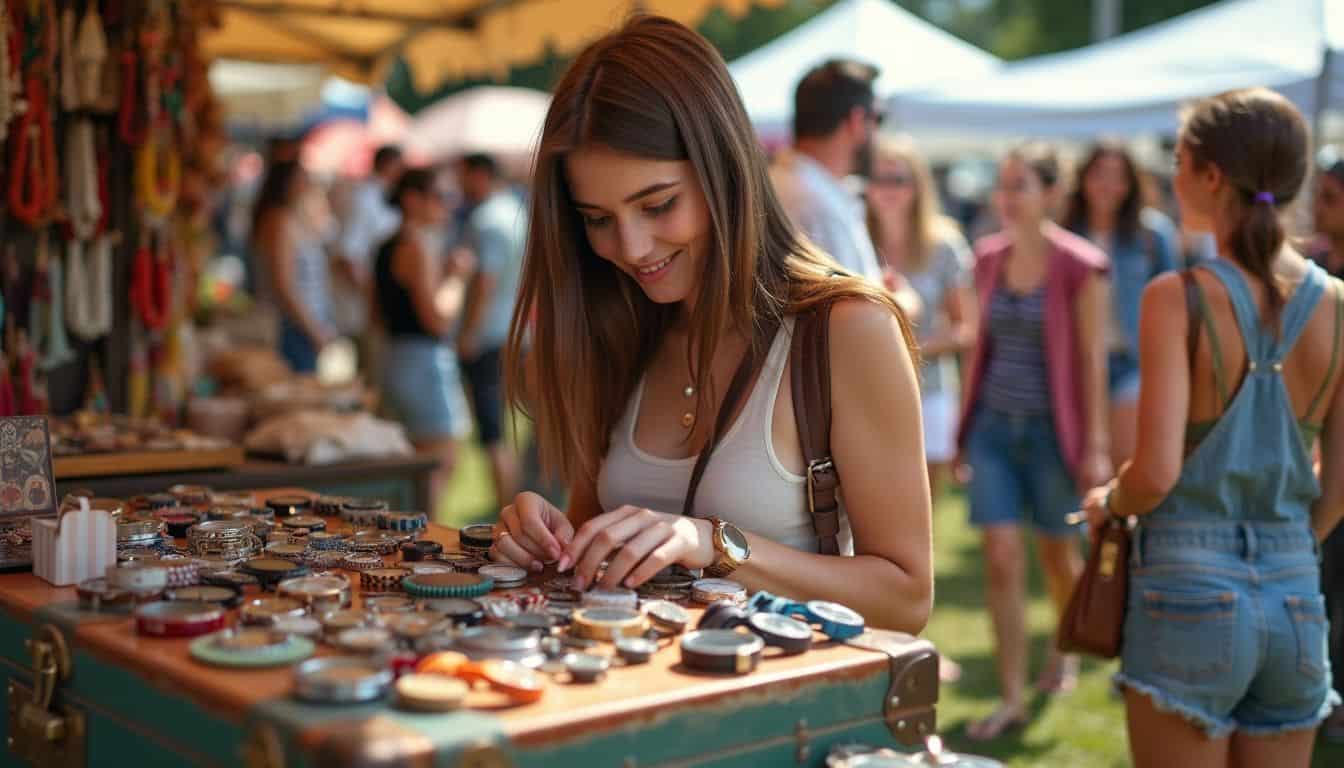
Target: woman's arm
278	249
1091	308
1164	400
878	444
420	274
962	323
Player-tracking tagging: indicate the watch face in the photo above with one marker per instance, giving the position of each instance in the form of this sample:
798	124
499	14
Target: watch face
835	613
722	642
612	615
781	625
667	612
586	665
735	542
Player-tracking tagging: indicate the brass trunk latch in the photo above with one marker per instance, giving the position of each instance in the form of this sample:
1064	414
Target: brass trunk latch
42	731
909	707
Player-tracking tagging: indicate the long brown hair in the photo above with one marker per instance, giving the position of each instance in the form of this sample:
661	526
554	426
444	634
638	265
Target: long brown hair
1260	143
926	225
658	90
1127	222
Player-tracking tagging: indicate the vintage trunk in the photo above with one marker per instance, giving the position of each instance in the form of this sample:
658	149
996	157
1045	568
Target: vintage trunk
121	699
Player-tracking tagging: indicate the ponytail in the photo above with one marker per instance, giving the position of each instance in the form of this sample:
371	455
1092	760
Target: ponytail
1255	242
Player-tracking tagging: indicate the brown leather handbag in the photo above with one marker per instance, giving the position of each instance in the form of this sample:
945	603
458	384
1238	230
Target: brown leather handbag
1094	620
810	379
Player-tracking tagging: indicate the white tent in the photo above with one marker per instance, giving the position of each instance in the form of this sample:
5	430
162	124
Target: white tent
910	52
1136	83
499	120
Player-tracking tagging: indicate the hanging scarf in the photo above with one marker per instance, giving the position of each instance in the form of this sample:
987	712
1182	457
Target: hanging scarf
83	205
46	319
88	288
83	51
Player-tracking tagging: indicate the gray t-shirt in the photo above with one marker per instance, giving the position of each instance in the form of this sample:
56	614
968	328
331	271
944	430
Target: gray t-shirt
949	267
497	232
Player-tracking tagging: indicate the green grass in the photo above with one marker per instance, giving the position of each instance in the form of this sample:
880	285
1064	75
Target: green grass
1082	729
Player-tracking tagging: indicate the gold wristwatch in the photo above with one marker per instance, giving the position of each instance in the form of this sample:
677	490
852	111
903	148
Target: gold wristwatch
730	546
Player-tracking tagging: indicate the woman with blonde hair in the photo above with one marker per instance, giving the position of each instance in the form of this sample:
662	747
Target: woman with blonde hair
914	240
661	287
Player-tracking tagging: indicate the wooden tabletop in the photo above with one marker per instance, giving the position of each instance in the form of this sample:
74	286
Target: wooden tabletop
625	694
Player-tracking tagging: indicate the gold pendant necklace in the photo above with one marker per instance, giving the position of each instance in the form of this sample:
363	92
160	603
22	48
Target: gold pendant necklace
688	418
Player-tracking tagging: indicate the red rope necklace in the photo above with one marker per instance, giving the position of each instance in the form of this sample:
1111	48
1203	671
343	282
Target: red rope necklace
151	289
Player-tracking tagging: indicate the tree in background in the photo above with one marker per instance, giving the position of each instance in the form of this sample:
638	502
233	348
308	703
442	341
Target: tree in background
1015	29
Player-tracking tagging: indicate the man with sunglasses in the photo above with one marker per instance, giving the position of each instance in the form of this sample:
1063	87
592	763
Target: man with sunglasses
835	118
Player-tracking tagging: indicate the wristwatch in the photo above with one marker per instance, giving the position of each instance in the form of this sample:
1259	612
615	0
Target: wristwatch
836	621
731	547
723	651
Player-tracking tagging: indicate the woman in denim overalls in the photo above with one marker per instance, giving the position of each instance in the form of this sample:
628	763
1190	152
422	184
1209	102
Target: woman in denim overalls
1224	659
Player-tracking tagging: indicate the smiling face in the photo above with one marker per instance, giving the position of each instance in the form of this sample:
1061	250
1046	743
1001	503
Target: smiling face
648	218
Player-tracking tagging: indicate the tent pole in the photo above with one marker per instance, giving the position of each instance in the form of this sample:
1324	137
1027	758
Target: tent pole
1323	88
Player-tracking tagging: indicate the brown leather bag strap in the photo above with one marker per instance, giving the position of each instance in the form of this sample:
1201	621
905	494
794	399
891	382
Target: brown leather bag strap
810	378
1191	316
737	388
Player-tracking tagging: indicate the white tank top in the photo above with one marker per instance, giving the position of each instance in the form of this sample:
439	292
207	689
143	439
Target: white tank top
744	482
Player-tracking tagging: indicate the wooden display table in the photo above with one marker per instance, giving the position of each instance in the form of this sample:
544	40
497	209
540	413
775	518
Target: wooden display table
145	702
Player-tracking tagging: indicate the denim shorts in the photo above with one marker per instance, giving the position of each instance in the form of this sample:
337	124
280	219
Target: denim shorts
1226	625
484	377
421	385
1018	474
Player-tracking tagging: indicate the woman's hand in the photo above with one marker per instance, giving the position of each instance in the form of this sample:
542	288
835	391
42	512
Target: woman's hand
1094	507
531	532
636	544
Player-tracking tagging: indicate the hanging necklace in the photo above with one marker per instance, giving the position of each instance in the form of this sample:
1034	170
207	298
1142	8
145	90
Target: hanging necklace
688	418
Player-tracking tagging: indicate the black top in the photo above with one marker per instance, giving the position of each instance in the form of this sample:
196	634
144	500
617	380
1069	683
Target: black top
393	298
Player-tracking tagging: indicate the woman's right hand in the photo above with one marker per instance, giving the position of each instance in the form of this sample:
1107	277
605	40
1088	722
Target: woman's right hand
531	532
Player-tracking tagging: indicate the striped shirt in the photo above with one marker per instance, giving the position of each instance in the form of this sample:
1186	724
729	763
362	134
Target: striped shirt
1016	379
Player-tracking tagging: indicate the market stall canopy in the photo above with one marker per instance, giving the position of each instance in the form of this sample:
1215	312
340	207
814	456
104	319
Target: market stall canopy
1137	82
264	96
496	120
440	40
346	146
910	52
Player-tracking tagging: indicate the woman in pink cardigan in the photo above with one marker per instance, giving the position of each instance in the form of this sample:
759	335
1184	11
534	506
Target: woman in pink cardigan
1034	431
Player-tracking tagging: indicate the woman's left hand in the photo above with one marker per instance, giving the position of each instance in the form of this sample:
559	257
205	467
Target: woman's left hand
636	544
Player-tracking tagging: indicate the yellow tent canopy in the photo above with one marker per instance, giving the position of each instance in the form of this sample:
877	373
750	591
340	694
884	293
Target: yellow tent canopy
441	40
